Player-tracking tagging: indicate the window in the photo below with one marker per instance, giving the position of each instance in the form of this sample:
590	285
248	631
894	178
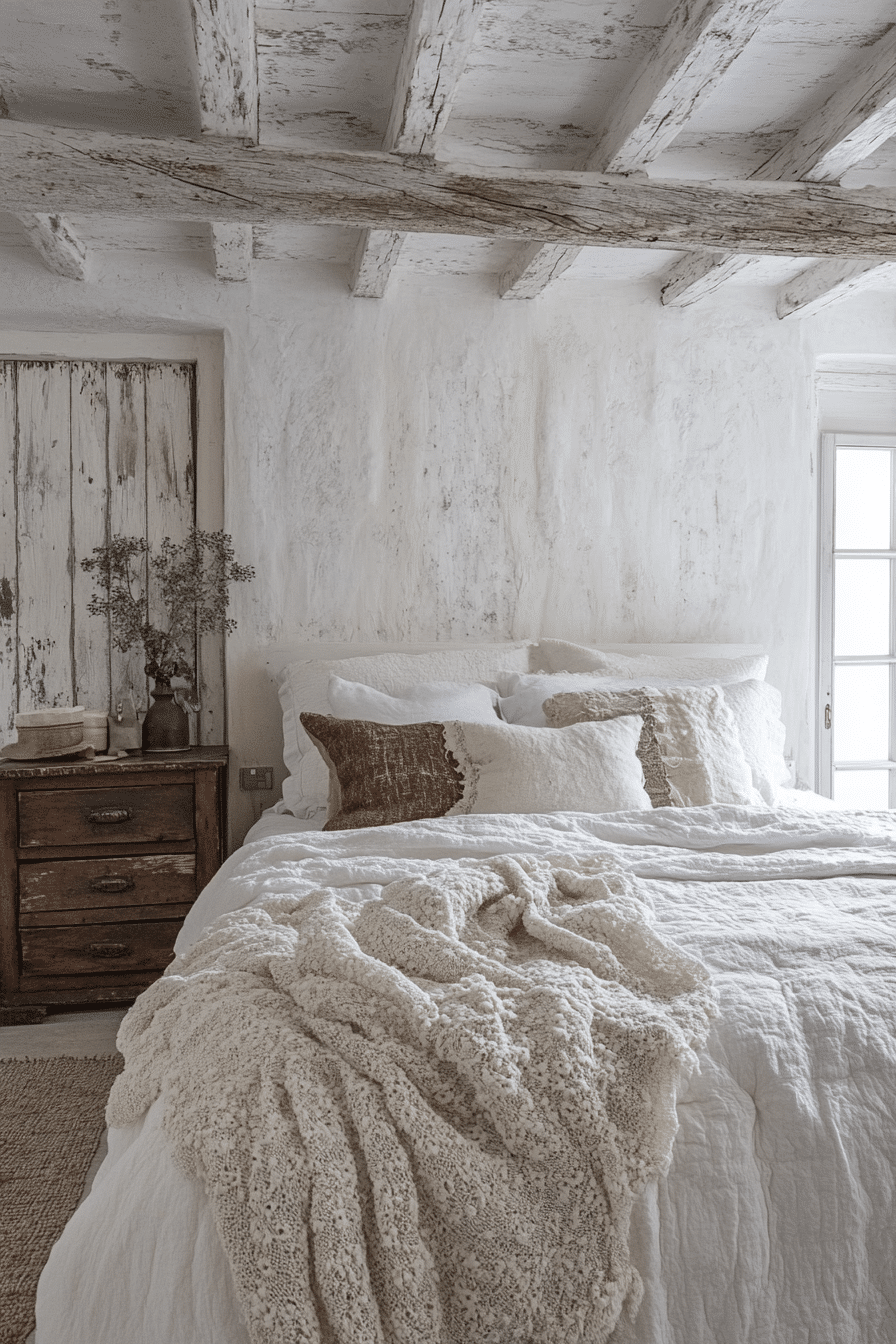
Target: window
857	631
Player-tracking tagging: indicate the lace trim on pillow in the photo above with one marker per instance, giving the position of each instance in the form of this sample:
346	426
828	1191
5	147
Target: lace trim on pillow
571	707
461	760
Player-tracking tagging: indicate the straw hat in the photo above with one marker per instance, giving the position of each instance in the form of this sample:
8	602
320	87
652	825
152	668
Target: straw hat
44	734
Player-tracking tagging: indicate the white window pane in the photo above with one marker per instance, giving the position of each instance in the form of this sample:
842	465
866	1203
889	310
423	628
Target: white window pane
861	607
862	494
862	788
861	713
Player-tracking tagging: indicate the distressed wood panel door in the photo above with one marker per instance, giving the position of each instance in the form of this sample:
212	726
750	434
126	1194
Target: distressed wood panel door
89	449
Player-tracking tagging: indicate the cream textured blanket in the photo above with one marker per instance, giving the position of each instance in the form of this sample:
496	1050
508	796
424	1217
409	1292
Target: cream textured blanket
424	1118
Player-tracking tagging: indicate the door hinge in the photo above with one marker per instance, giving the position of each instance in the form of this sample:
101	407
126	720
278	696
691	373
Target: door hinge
827	716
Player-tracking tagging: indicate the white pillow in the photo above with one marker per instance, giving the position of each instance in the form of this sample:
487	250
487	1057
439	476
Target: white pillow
560	656
700	746
702	758
430	702
588	767
756	707
522	694
304	686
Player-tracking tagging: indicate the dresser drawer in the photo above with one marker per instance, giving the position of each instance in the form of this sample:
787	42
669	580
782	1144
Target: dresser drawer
105	816
83	949
88	885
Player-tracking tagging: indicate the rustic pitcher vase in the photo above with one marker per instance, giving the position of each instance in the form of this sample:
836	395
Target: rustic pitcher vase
166	726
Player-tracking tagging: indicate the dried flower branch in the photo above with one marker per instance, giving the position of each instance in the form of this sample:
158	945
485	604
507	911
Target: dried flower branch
192	579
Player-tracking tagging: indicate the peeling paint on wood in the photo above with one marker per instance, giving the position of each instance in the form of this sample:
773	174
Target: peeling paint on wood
43	531
87	449
58	245
223	182
8	549
828	282
90	512
224	33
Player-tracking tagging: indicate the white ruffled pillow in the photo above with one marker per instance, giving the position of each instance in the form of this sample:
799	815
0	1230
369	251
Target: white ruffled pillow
561	656
589	767
430	702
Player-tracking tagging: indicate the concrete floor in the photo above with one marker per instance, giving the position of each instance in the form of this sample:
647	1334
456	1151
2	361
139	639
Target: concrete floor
88	1033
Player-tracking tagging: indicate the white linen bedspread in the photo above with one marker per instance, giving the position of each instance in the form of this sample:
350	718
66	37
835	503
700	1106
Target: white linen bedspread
776	1221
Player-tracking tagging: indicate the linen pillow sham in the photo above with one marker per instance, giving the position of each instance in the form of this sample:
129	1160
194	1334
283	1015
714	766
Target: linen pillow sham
587	707
383	773
697	736
521	695
756	707
589	767
561	656
432	701
303	685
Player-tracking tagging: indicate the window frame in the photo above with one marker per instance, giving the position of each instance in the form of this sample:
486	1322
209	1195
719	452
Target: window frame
827	661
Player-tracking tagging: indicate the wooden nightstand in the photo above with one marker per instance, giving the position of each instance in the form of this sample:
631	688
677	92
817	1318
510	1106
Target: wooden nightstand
99	863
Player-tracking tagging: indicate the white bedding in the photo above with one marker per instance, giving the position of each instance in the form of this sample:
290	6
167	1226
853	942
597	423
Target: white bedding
776	1219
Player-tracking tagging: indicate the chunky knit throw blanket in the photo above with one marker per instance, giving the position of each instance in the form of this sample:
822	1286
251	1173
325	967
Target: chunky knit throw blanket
423	1118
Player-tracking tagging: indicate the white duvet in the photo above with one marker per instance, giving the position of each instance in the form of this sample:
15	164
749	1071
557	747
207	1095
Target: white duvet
776	1221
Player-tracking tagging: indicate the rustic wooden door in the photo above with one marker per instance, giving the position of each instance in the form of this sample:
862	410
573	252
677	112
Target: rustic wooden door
88	449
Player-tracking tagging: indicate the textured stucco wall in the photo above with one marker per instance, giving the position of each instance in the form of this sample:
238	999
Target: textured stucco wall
440	465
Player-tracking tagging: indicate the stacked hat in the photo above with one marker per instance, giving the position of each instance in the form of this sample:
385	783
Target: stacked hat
44	734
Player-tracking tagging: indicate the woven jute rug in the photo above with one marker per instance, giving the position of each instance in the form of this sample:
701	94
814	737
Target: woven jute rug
51	1123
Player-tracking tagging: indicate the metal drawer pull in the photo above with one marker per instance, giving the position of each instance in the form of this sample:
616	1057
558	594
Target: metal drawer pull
110	816
111	884
108	949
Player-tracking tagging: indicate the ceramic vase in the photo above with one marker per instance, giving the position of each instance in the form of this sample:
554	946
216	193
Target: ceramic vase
166	726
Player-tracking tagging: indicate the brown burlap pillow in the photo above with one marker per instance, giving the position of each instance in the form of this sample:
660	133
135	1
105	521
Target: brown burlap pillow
382	773
596	707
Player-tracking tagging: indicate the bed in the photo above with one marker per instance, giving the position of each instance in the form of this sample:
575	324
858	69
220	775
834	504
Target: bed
741	930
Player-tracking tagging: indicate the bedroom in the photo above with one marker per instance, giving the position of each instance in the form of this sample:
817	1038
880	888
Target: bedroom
441	463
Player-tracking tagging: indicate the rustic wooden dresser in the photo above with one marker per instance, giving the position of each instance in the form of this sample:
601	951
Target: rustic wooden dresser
99	863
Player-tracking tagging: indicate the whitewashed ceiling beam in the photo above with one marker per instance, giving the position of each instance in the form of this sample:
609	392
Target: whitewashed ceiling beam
828	281
57	244
854	121
224	34
232	245
697	46
220	181
371	266
533	268
437	45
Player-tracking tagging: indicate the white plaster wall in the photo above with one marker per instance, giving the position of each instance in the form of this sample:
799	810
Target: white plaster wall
441	465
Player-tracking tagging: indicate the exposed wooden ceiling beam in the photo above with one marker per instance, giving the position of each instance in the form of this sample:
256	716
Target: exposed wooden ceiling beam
59	247
854	121
826	282
856	118
94	172
371	266
437	45
224	33
699	43
232	245
533	268
697	46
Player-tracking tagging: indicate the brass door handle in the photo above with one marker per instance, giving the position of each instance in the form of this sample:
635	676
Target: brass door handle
112	884
108	949
109	816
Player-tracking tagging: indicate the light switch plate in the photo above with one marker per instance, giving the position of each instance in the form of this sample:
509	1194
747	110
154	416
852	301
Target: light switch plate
256	777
